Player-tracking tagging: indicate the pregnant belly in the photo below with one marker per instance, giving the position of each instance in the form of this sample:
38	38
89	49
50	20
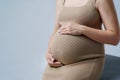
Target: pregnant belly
69	48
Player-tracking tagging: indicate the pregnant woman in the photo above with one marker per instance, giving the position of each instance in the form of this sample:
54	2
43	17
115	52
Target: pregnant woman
76	47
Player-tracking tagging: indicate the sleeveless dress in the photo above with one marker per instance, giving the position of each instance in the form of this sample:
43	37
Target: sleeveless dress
83	58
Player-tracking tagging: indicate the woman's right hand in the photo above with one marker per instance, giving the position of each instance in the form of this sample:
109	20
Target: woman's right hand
52	61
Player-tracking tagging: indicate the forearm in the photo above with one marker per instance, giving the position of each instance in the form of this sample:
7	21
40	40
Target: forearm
102	36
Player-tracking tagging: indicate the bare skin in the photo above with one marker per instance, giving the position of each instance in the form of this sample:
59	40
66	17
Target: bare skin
111	34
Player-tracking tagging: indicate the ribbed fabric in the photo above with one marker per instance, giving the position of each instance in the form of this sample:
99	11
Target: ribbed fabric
82	56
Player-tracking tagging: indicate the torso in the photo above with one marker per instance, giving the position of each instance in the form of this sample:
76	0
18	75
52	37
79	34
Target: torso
69	48
86	15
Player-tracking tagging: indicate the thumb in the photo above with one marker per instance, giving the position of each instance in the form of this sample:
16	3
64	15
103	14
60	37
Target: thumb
51	57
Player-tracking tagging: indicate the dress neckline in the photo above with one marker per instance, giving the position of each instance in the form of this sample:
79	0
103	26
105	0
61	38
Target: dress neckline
63	5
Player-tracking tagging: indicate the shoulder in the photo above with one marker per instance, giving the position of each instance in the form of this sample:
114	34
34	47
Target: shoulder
104	3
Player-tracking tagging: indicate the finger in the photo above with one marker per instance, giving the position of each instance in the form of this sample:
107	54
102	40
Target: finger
59	30
49	61
52	61
56	64
51	58
65	32
63	27
53	64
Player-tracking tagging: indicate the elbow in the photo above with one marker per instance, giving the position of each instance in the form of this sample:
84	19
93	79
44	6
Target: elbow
116	41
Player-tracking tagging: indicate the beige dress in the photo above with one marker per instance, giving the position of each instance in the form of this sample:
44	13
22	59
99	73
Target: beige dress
83	57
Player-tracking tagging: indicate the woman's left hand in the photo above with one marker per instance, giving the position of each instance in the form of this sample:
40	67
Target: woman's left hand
71	28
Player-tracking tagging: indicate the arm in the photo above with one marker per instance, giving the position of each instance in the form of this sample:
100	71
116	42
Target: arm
109	17
56	27
52	61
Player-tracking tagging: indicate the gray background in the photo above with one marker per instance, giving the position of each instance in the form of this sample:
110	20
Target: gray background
25	28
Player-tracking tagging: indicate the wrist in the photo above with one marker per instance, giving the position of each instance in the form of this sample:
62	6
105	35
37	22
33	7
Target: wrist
82	29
